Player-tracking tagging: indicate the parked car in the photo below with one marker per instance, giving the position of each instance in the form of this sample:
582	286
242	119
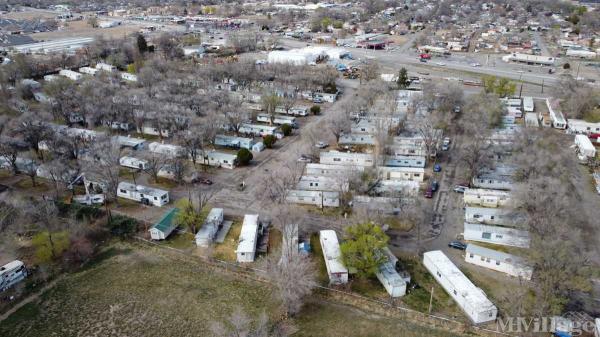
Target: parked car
305	159
206	181
435	186
423	60
475	64
457	245
437	168
321	145
445	147
460	188
429	193
317	100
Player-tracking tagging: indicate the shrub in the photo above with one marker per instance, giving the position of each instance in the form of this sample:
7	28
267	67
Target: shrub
269	141
122	226
244	156
566	66
286	129
315	109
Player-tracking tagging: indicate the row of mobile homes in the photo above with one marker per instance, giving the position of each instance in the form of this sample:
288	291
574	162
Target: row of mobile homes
471	299
234	142
337	272
504	236
70	74
579	126
88	71
556	116
402	173
327	170
143	194
357	139
406	161
162	229
134	163
207	233
528	105
490	216
585	148
498	261
258	130
318	183
347	158
316	198
277	119
500	178
11	274
486	198
246	249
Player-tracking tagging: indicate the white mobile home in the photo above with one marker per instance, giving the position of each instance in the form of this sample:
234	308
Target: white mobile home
326	170
260	130
406	161
153	131
402	173
556	116
318	183
490	216
143	194
316	198
500	178
219	159
246	250
531	120
486	198
168	150
234	142
364	126
585	148
407	187
338	273
105	67
207	233
131	142
579	126
11	274
162	229
357	139
528	105
347	158
70	74
386	273
503	236
134	163
471	299
498	261
129	77
88	71
277	119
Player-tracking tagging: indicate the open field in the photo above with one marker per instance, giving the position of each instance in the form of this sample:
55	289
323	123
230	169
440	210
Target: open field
135	291
83	29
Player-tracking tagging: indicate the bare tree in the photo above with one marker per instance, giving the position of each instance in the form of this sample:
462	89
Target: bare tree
240	324
156	163
106	164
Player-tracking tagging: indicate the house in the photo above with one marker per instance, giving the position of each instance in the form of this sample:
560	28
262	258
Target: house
70	74
504	236
143	194
471	299
258	130
498	261
246	250
490	216
134	163
326	170
402	173
579	126
234	142
162	229
207	233
347	158
585	148
318	183
316	198
556	115
406	161
337	272
357	139
500	178
486	198
393	283
11	274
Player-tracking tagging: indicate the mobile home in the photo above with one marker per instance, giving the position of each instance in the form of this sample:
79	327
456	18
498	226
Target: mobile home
326	170
347	158
234	142
498	235
260	130
318	183
70	74
88	71
556	115
143	194
207	233
490	216
129	77
500	178
219	159
277	119
531	120
162	229
134	163
105	67
406	161
168	150
402	173
357	139
337	272
486	198
499	261
471	299
528	105
579	126
585	148
11	274
391	280
316	198
294	111
246	249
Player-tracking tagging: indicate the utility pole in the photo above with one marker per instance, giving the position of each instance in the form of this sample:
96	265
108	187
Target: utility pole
542	85
430	300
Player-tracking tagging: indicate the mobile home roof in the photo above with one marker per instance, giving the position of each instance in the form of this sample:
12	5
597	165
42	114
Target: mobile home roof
331	251
249	233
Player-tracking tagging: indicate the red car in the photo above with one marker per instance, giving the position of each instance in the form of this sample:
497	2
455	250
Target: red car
429	193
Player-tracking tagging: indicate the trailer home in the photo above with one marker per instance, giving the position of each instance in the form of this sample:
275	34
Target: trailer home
391	280
471	299
218	159
504	236
105	67
337	272
316	198
130	142
528	105
129	77
145	195
327	170
579	126
490	216
162	229
585	148
206	235
357	139
134	163
556	116
11	274
246	249
402	173
406	161
277	120
234	142
88	71
258	130
500	178
531	120
499	261
486	198
318	183
347	158
167	150
70	74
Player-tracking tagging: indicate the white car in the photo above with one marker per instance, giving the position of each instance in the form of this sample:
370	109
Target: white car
321	145
441	64
475	64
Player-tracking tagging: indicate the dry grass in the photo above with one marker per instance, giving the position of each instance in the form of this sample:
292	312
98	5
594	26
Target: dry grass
82	29
26	184
226	250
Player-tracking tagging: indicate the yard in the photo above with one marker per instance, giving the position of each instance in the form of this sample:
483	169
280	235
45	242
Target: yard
137	291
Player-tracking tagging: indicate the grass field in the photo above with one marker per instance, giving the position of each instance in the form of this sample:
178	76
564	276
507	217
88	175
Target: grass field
137	291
